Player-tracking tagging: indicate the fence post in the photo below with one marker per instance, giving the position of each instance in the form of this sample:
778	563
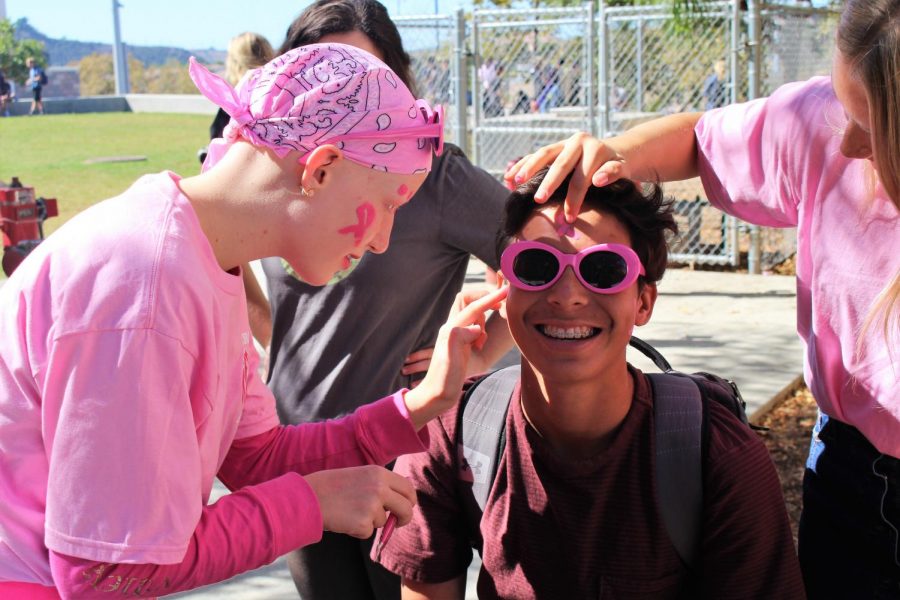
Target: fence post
733	252
476	89
460	80
590	90
640	65
602	74
754	35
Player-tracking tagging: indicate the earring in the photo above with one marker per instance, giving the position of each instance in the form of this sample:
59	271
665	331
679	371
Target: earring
306	193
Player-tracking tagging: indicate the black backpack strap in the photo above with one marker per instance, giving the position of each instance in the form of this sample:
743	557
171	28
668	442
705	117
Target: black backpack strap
482	426
652	353
679	416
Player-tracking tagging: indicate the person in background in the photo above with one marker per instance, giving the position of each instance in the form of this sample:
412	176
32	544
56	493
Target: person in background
375	327
127	373
822	156
245	51
6	95
715	92
36	80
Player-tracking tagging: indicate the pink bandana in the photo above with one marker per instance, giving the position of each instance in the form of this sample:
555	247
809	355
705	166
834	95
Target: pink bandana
327	94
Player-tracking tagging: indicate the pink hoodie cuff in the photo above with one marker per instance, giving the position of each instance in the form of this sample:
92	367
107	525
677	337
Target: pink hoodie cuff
387	428
293	505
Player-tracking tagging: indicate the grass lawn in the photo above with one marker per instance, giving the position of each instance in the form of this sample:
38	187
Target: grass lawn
49	152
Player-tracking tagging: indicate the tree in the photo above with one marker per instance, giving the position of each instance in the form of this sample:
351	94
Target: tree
13	53
681	9
678	6
96	74
170	78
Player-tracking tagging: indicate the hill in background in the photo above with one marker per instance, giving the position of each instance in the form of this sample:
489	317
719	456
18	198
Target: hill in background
62	52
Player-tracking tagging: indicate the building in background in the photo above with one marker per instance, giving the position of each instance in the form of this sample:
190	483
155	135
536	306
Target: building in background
62	82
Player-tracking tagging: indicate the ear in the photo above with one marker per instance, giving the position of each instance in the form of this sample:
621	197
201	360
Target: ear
319	166
645	301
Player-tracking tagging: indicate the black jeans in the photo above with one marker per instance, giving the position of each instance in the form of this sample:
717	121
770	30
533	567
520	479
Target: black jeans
848	540
339	568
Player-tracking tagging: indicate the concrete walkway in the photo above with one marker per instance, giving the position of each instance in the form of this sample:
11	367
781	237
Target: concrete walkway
742	327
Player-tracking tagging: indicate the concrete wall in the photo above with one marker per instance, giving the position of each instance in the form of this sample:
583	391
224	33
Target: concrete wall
160	103
71	105
171	103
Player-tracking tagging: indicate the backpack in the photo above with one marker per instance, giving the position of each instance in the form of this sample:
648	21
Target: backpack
681	440
42	77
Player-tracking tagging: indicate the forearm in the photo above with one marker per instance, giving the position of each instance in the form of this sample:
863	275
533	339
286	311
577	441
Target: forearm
664	149
241	531
374	434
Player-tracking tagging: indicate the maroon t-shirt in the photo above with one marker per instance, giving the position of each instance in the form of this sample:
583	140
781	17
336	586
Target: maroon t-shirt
557	528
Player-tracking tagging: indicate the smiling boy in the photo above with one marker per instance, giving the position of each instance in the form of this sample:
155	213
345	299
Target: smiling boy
573	511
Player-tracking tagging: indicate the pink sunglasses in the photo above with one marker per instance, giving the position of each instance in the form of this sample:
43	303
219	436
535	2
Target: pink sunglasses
604	268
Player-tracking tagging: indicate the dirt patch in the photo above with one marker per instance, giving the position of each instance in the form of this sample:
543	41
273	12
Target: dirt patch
790	424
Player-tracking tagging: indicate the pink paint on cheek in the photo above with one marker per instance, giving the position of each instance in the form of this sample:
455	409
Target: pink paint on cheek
365	214
404	192
564	227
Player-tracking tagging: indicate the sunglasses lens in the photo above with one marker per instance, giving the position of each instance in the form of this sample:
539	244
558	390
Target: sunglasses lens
603	269
535	267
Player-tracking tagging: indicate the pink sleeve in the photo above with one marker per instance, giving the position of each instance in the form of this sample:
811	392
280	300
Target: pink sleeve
241	531
135	489
375	433
757	160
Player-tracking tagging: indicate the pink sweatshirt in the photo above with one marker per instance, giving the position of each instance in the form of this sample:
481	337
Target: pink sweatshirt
127	383
777	162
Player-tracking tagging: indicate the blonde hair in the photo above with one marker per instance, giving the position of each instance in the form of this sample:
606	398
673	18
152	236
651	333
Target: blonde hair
868	37
885	307
246	51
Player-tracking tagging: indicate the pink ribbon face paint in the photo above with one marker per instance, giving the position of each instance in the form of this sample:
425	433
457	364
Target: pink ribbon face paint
365	215
403	192
563	227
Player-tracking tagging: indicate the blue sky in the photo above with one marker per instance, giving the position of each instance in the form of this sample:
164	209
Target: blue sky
182	23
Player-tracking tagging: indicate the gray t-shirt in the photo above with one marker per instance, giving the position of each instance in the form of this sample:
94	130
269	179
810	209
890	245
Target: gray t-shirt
338	347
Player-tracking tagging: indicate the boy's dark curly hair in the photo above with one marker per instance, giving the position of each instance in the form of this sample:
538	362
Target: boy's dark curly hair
647	215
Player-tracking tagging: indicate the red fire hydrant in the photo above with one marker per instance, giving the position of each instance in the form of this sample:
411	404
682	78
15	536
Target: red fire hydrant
23	218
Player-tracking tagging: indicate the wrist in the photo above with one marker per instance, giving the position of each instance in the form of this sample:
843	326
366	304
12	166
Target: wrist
421	406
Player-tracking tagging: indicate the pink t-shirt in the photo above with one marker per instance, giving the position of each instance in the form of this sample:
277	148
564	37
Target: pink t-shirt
129	336
776	162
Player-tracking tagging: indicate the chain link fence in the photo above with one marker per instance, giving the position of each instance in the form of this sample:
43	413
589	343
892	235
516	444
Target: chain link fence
514	80
532	76
796	43
652	65
436	45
